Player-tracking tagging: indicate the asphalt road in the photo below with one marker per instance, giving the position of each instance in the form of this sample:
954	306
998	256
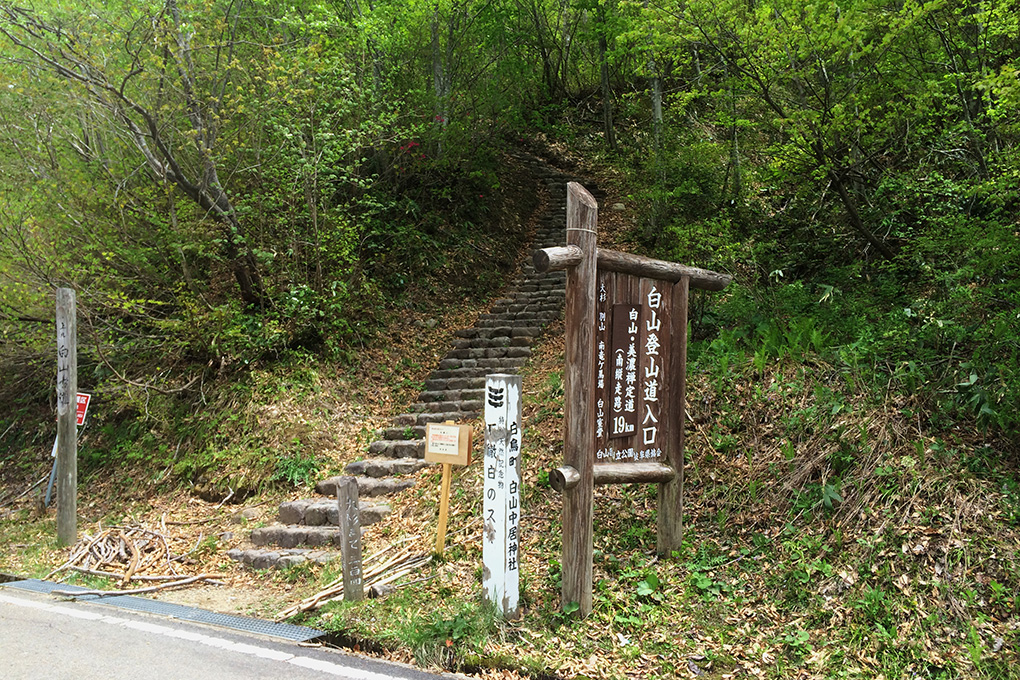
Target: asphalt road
41	637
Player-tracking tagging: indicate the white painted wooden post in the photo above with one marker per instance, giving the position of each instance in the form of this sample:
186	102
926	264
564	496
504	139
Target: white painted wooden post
501	507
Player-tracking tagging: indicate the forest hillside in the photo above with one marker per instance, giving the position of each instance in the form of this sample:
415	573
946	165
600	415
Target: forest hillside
275	215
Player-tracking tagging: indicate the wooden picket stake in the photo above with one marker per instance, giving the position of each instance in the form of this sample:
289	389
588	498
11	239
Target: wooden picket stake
578	416
444	508
448	444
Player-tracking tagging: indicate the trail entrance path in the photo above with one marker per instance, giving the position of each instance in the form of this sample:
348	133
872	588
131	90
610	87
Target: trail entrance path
499	342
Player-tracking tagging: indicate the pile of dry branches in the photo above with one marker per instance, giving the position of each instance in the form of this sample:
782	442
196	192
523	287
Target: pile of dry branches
130	553
378	570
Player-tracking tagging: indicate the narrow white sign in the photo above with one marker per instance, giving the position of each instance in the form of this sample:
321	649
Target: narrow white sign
501	507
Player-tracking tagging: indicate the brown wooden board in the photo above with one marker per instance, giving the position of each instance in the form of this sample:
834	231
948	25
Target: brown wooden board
633	381
448	443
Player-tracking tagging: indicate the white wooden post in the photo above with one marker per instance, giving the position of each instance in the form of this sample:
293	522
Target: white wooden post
501	507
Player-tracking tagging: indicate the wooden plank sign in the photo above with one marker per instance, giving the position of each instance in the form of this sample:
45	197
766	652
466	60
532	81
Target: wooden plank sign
624	380
448	443
633	383
501	506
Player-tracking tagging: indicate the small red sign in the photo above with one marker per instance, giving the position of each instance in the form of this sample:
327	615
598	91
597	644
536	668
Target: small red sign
83	407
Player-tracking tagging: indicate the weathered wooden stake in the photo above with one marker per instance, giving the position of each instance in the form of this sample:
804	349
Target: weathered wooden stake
579	414
671	493
67	430
444	508
350	541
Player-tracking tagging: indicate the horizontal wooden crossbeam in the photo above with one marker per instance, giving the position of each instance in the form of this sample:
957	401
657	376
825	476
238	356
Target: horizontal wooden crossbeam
566	477
562	257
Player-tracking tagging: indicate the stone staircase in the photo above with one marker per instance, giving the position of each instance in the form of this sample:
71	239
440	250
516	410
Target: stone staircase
499	342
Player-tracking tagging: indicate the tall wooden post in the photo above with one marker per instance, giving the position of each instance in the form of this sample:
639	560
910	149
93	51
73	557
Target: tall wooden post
67	408
671	493
578	387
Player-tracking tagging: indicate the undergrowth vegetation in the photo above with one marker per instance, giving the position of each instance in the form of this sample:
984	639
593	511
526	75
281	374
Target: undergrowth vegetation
272	250
833	529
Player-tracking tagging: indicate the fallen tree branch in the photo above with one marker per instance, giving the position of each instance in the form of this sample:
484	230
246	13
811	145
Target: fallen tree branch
394	568
26	491
114	576
138	591
144	386
10	427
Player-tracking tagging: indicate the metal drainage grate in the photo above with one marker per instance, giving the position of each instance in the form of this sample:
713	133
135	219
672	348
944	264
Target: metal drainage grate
179	611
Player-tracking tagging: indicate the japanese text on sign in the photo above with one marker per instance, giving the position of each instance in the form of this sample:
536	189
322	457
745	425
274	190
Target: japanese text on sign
631	341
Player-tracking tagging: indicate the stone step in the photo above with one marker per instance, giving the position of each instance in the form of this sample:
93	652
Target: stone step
499	341
320	512
406	432
488	352
532	275
259	558
473	372
449	364
524	318
518	307
291	536
368	487
385	467
502	364
436	384
548	296
451	395
442	407
528	325
401	448
500	332
425	417
540	287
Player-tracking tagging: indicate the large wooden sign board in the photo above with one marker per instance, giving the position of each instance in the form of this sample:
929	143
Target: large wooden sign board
633	385
624	381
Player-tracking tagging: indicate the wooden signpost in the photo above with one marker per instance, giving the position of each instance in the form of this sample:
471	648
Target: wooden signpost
625	383
450	445
350	545
67	412
501	506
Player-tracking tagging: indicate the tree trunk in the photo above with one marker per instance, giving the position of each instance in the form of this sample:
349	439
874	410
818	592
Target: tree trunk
855	219
607	91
